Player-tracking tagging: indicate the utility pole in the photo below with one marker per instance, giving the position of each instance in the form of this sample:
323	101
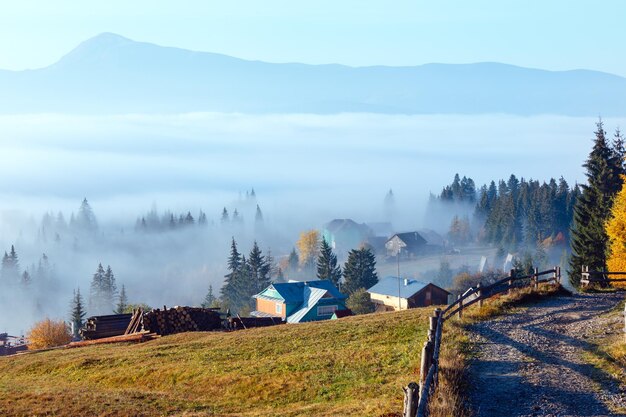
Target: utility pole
399	282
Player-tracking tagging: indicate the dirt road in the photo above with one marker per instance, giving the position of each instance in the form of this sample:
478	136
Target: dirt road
530	363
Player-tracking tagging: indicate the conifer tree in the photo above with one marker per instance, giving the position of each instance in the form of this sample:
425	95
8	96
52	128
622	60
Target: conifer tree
77	313
209	298
10	267
589	239
109	289
293	261
86	219
96	292
225	218
25	280
258	217
229	290
122	302
359	270
259	270
327	267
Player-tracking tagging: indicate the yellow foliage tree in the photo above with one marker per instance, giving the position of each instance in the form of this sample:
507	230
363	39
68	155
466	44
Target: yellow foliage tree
308	246
48	333
616	231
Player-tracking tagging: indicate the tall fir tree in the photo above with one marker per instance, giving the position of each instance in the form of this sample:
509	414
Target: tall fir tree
96	292
225	218
85	219
229	289
259	270
327	267
77	313
359	270
589	239
109	289
209	299
122	301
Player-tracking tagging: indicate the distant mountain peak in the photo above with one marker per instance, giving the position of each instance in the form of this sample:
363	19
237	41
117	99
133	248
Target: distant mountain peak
106	39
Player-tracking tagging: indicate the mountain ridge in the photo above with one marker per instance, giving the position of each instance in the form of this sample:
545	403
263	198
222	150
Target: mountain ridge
110	73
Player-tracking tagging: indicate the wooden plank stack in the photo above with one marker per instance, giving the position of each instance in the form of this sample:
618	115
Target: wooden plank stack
136	338
238	323
98	327
181	319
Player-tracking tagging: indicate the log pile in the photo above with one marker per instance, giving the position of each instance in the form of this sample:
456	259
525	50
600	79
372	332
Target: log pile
181	319
136	337
98	327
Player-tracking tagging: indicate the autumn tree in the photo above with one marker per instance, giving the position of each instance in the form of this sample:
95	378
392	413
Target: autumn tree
48	333
308	246
616	232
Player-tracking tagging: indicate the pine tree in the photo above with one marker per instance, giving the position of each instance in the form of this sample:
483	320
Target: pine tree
209	299
77	313
292	262
327	264
229	290
202	218
96	292
25	280
225	218
359	270
109	289
122	302
259	270
258	217
85	219
589	240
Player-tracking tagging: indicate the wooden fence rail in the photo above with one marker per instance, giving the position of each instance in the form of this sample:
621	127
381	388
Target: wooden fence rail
417	397
600	277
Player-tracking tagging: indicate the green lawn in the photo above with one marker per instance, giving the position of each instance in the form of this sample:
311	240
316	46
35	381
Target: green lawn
353	366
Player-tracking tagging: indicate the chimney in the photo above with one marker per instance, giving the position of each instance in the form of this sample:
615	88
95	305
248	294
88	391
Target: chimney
406	282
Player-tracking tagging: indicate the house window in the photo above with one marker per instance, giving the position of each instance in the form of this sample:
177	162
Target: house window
326	310
279	308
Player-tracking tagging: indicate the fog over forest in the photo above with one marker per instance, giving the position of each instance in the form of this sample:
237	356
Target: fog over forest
305	170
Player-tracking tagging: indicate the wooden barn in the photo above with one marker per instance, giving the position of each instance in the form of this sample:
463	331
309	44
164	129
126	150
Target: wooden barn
411	293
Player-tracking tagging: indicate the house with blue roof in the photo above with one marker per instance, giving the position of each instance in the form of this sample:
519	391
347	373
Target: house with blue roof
297	302
394	293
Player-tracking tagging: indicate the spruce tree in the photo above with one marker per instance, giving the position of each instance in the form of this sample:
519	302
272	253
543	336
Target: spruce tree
209	299
293	261
77	313
25	280
327	264
229	289
96	292
258	217
109	290
259	270
225	218
86	219
589	240
359	270
122	301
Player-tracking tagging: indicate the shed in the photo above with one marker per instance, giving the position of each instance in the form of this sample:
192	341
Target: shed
393	293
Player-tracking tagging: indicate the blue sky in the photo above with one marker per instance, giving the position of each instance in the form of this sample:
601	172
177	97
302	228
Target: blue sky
553	34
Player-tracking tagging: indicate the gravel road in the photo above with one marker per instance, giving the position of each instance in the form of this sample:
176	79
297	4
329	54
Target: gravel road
530	363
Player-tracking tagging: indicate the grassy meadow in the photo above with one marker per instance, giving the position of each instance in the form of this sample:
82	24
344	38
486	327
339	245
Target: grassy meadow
349	367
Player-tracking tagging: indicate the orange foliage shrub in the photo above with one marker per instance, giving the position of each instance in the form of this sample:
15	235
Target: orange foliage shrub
616	231
48	333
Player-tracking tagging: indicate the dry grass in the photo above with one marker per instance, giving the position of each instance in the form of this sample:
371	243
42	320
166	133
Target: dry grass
349	367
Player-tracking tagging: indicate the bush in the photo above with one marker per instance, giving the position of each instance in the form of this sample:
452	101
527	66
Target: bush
48	333
360	302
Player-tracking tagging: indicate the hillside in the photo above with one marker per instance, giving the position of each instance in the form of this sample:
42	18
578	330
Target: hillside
351	367
113	74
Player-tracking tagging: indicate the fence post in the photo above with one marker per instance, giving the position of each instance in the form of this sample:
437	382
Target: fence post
411	399
479	292
536	278
426	361
558	274
432	327
459	314
511	275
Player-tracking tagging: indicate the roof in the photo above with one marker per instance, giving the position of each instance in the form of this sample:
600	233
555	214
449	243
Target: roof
337	225
389	286
381	229
410	239
432	237
312	296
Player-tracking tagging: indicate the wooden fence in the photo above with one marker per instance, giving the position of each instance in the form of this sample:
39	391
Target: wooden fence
417	396
600	277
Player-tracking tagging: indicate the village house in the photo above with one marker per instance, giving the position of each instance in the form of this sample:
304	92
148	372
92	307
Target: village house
407	245
297	302
345	234
412	293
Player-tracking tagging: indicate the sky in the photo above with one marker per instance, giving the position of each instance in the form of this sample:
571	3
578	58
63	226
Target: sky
554	35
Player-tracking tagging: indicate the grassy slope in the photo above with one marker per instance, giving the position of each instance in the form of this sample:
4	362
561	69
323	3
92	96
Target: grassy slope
354	366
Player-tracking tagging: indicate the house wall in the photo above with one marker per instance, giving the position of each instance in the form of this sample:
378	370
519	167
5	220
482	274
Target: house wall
269	307
312	314
389	301
430	295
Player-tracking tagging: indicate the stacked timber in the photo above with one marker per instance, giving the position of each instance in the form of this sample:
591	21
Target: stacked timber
181	319
98	327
